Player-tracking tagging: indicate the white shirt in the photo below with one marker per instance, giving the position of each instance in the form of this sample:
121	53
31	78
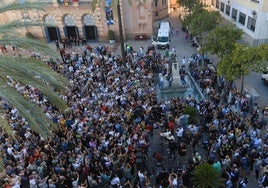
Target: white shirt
180	132
141	176
115	181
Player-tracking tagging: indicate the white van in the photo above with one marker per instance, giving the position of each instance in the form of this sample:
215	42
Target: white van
163	36
264	76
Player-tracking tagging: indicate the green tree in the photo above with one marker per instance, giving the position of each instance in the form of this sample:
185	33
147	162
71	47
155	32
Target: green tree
188	4
241	60
203	22
199	20
27	71
221	40
205	176
192	13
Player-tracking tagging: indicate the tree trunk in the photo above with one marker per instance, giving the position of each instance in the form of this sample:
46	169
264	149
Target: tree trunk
242	83
121	37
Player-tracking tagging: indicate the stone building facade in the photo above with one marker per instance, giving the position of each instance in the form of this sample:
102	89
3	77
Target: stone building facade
76	19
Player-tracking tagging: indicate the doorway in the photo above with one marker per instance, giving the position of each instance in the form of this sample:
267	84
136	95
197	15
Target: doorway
90	32
52	34
71	31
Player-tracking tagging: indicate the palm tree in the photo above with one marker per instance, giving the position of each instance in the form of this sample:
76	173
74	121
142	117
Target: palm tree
205	176
116	6
25	71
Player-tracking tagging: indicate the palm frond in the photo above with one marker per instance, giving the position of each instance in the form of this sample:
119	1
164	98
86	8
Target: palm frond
5	126
5	7
2	167
29	44
38	75
9	28
26	71
36	118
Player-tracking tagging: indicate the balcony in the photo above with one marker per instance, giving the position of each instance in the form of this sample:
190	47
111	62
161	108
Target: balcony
84	2
47	2
73	2
256	1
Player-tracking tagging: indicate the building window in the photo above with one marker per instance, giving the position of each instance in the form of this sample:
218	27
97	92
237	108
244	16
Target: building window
256	1
242	18
217	4
234	14
212	2
164	2
141	12
251	23
156	14
222	6
227	10
156	3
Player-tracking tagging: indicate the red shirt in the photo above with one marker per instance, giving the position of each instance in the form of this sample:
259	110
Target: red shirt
171	126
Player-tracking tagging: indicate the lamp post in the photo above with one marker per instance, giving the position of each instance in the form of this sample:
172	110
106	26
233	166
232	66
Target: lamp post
121	37
26	19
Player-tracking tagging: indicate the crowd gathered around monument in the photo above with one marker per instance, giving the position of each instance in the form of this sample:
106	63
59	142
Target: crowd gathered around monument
104	139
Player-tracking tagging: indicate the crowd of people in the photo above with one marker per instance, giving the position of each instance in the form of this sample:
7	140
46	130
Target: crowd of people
101	141
105	137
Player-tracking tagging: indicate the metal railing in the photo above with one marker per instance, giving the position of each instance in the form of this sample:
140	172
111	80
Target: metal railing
80	3
84	2
47	2
256	1
64	3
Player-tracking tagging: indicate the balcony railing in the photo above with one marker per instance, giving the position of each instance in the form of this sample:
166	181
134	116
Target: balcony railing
47	2
256	1
74	2
66	2
84	2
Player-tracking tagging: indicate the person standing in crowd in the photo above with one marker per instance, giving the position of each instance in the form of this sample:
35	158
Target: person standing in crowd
161	81
115	181
257	166
264	180
170	79
180	132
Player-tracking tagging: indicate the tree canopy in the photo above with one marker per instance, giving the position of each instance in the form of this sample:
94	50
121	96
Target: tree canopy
203	21
241	60
205	176
221	40
199	20
189	4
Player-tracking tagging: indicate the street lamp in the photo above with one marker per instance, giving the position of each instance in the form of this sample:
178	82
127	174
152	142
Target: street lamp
121	37
26	19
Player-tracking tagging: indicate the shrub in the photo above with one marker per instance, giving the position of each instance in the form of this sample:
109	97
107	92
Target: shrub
192	112
205	176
